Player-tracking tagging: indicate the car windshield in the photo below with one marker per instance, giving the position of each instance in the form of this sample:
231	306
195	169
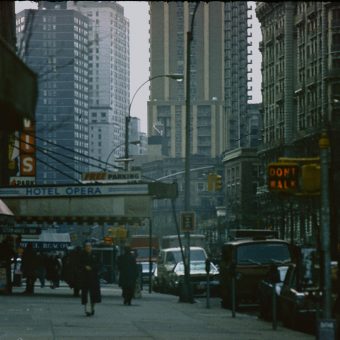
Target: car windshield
195	255
195	266
263	253
144	252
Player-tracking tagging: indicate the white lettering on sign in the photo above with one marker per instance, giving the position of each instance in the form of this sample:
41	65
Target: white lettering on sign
27	166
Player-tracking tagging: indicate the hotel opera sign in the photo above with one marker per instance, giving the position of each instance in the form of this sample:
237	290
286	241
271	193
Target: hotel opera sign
283	177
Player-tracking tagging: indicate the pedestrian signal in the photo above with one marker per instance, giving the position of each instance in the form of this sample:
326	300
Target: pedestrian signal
283	177
310	178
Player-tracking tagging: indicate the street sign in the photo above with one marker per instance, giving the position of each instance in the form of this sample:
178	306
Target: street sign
112	177
187	221
21	180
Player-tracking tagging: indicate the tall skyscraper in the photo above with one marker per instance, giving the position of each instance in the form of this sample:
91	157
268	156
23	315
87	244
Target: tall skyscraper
219	75
109	75
53	41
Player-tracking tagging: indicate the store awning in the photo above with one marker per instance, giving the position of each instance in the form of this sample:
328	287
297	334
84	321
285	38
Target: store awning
6	215
47	241
18	89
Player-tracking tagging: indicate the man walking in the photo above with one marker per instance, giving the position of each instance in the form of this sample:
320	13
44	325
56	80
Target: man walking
127	274
90	286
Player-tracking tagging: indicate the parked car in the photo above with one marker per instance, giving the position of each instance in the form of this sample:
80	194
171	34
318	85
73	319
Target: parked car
299	302
198	278
146	269
167	260
275	276
249	261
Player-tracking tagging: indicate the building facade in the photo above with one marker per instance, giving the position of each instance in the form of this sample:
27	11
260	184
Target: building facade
53	41
109	76
219	70
301	63
218	77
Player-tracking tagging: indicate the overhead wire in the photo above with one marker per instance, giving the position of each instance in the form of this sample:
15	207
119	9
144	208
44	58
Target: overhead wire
76	152
63	155
86	156
54	168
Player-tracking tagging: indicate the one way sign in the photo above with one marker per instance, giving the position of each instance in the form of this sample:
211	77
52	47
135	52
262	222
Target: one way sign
187	221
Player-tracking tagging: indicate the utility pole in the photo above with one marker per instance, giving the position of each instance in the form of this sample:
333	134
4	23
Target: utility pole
187	294
325	225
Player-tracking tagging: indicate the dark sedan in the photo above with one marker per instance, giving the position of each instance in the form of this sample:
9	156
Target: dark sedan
299	303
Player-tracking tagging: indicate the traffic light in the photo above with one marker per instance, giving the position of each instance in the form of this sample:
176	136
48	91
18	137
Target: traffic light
310	178
218	183
211	182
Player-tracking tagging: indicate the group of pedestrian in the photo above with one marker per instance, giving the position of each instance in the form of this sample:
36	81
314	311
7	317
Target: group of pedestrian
90	287
42	267
79	268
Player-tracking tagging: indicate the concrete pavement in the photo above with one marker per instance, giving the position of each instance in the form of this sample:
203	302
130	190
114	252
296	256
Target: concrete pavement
56	314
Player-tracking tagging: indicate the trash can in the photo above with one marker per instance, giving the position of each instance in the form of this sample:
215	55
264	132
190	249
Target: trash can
17	273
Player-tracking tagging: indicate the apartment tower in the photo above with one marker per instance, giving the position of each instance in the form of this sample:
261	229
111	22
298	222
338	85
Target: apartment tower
53	41
109	77
218	75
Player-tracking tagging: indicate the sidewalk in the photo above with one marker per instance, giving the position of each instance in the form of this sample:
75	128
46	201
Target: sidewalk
56	314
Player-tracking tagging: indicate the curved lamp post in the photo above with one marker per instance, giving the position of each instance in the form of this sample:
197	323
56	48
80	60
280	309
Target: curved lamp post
115	148
175	76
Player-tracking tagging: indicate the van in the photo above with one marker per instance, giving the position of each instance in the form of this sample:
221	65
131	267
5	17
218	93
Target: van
166	262
249	261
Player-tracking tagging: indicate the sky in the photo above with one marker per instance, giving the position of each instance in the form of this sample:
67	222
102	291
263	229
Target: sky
138	14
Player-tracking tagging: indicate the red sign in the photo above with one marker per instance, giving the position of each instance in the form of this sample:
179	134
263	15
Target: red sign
283	177
27	150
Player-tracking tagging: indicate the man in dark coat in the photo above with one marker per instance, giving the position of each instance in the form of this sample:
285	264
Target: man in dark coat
29	267
90	286
128	273
71	272
6	255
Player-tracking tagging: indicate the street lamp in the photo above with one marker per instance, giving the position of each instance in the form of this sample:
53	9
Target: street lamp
187	293
115	148
175	76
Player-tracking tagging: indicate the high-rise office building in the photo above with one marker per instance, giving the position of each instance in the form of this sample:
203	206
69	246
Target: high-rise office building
53	41
218	77
109	75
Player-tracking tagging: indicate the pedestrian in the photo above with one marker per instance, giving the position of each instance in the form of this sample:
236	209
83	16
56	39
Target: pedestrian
71	272
90	285
7	254
53	271
41	269
29	267
128	274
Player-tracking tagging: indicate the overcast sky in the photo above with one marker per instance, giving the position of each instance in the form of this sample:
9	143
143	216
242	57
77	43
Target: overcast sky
138	14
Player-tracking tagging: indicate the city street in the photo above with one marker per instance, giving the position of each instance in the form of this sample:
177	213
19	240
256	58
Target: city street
56	314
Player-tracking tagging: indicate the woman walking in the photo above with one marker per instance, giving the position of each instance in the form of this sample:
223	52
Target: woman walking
90	287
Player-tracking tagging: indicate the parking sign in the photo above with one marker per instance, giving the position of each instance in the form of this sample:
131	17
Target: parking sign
187	221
